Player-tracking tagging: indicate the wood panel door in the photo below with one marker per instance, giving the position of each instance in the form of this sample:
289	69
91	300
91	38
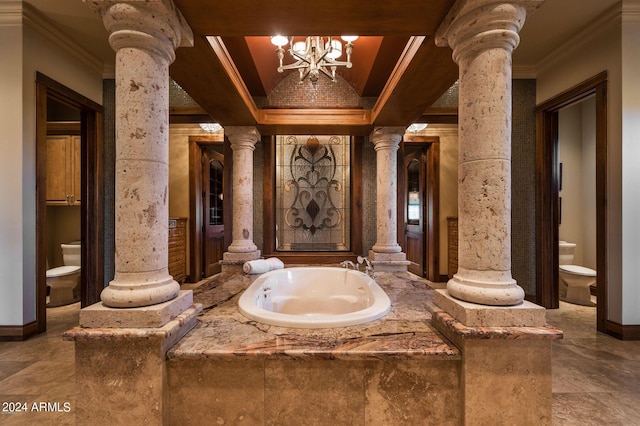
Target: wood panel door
213	213
414	171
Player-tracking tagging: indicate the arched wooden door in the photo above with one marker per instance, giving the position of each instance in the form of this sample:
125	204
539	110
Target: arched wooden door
212	211
414	234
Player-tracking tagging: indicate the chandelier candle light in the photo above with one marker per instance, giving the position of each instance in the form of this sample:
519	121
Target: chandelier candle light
314	56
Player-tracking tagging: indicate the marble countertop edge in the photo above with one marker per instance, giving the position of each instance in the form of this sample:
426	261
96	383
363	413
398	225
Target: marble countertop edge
499	333
313	355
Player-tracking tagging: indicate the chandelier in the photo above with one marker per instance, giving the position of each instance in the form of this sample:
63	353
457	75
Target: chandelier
314	55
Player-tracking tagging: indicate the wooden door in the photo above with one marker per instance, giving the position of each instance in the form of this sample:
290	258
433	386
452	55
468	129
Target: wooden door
414	164
213	213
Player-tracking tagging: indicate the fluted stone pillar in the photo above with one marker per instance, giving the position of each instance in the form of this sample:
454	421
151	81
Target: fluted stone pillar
483	35
386	254
144	35
243	142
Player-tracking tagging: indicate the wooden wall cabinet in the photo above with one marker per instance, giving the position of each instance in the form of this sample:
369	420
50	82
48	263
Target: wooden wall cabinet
452	233
63	170
178	248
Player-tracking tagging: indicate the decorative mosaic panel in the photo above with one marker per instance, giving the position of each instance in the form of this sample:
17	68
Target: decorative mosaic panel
313	192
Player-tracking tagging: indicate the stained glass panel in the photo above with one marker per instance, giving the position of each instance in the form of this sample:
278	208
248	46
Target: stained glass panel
313	187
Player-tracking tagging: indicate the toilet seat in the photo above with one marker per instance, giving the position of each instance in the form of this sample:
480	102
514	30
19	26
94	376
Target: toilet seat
578	270
62	271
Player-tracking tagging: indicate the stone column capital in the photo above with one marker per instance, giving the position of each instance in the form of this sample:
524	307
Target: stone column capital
387	138
472	26
242	137
153	25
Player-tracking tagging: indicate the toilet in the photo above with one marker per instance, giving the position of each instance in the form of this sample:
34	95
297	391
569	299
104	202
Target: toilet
575	280
64	281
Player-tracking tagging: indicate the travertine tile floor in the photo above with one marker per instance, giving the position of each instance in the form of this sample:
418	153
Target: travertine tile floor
596	377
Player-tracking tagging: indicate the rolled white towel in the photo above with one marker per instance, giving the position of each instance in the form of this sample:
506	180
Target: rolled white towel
260	266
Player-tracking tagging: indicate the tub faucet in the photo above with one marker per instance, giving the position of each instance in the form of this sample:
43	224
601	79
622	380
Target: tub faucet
349	265
368	269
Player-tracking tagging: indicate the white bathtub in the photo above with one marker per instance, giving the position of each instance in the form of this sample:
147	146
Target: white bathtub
314	297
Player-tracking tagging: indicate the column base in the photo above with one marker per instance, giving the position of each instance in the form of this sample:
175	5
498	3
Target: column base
138	290
526	314
389	262
232	261
493	288
246	246
99	315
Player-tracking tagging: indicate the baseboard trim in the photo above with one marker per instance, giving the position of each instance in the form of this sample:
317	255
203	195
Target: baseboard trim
623	332
18	332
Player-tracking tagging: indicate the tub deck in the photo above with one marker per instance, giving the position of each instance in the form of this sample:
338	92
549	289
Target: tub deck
397	370
404	333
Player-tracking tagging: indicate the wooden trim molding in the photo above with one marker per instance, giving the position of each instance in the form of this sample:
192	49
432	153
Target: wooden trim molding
63	128
410	50
91	208
547	198
623	332
432	204
222	53
196	144
13	333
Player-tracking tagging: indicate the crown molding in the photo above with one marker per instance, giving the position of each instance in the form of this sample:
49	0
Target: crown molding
604	23
631	11
11	14
22	14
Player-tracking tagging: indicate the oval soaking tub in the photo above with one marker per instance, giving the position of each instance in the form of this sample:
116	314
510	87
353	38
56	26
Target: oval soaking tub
314	297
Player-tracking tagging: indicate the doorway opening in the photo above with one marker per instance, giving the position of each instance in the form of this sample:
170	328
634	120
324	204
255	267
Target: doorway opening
419	194
81	188
548	201
210	210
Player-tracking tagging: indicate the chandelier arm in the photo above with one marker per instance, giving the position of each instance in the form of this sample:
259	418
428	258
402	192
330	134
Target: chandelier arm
323	56
327	73
331	62
293	66
305	75
298	57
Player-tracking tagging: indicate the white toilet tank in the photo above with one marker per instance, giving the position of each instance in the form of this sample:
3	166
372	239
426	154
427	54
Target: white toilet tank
71	253
566	252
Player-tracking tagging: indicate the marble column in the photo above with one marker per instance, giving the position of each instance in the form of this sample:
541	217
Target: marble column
243	142
144	35
483	35
386	254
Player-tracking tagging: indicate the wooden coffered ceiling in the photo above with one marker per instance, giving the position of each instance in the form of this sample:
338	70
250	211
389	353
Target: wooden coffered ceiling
395	60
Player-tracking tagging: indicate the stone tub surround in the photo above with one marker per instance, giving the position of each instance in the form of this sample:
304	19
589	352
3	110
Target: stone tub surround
397	370
506	371
404	333
121	373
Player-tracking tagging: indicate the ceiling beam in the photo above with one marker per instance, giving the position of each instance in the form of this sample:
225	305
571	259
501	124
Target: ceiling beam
316	121
200	72
426	74
295	17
